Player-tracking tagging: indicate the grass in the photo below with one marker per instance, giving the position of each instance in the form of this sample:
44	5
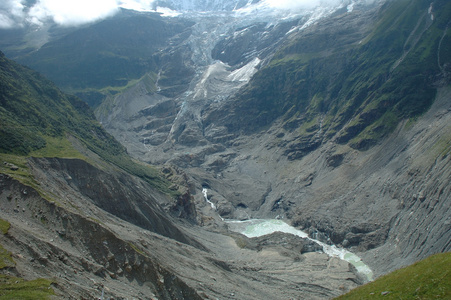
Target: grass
17	288
378	129
4	226
23	174
297	58
365	97
427	279
58	147
6	259
36	119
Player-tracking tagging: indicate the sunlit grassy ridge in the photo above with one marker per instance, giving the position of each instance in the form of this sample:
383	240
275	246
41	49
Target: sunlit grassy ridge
427	279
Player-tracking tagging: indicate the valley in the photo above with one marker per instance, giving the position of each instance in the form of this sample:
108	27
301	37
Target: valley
328	124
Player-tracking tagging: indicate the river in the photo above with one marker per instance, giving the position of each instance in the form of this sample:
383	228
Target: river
260	227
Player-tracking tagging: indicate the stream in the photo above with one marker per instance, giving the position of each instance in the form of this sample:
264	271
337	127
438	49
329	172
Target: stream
260	227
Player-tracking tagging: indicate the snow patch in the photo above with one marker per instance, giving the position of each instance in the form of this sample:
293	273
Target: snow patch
245	73
213	70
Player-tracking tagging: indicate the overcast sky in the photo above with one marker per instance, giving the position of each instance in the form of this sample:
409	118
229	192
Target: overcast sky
13	13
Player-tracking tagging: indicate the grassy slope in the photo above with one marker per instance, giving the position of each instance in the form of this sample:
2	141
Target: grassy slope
36	118
6	259
17	288
427	279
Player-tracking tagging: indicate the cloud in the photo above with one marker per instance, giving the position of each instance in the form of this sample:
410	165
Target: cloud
11	12
69	13
139	5
14	13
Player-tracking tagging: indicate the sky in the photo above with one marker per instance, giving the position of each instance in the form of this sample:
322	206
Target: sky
14	13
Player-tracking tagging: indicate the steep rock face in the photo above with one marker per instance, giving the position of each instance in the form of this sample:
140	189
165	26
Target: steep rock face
340	79
85	256
117	193
89	252
342	193
391	199
421	187
256	40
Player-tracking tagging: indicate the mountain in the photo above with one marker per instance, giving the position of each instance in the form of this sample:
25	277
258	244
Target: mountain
361	99
81	219
334	118
105	55
39	120
323	123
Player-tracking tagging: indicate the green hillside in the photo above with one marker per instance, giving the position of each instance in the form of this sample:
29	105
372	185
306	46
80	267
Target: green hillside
36	118
427	279
355	84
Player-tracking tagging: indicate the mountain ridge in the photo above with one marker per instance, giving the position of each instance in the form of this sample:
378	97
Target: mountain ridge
338	125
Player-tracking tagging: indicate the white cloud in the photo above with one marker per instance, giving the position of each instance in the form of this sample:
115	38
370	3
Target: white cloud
71	12
139	5
5	21
13	13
